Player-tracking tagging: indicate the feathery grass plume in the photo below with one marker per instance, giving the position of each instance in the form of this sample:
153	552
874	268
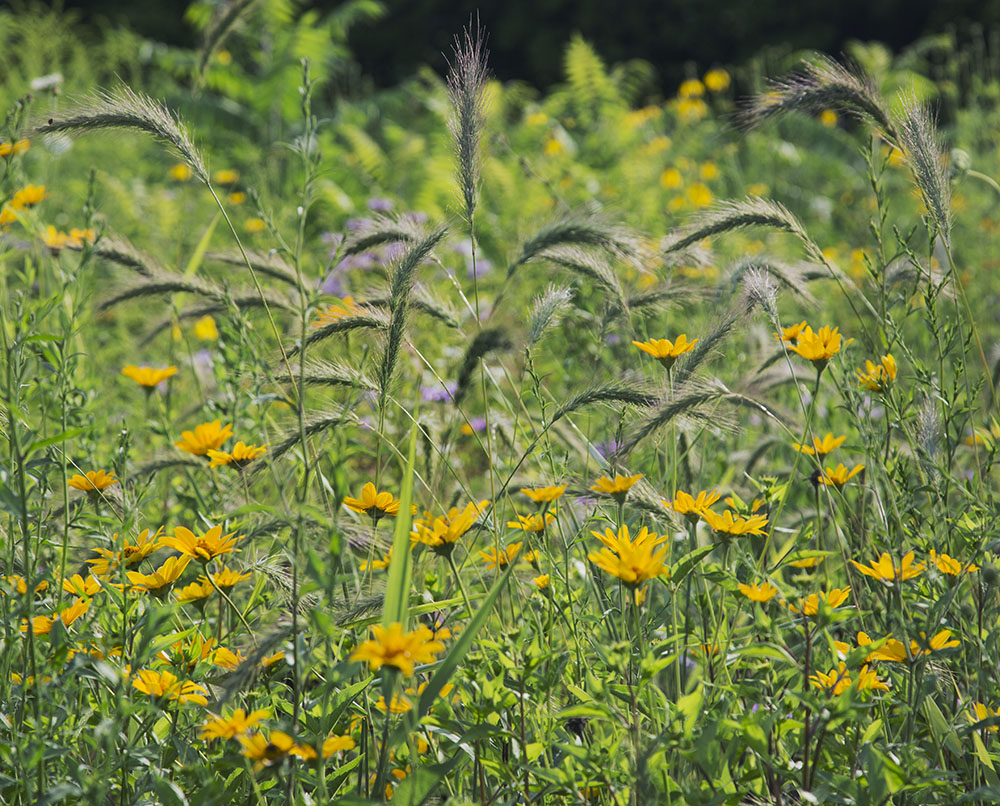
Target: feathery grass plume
370	319
822	84
328	373
399	296
244	676
909	270
421	301
793	277
222	22
721	327
547	311
380	230
590	266
467	74
269	264
487	340
349	613
921	145
607	393
244	301
116	249
316	424
652	300
166	284
734	215
687	399
122	108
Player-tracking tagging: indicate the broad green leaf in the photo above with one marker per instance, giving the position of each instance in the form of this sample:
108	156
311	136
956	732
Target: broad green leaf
199	251
397	591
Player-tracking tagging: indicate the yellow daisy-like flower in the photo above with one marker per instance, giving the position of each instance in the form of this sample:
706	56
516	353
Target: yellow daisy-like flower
94	481
374	503
160	581
889	649
42	625
819	346
691	88
691	506
442	533
76	585
836	681
227	659
236	724
666	351
148	376
28	196
532	523
336	744
868	680
349	307
205	437
981	712
18	583
884	570
544	495
717	79
632	561
499	559
820	447
617	487
195	592
400	704
810	605
393	647
241	455
729	523
12	149
790	335
840	476
807	562
542	582
227	176
226	578
951	566
267	750
180	172
204	547
165	685
940	640
877	377
759	593
377	565
132	553
205	329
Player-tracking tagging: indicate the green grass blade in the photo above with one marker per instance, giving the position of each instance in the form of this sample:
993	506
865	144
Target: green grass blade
397	593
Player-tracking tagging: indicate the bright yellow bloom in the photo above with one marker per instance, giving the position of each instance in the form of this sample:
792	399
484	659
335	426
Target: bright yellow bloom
255	226
202	547
180	172
691	506
205	329
273	748
227	176
759	593
164	685
195	592
717	79
666	351
617	487
700	195
884	570
877	377
160	581
238	723
810	605
336	744
542	582
227	659
241	455
820	447
671	178
840	476
400	704
828	118
836	681
889	649
7	217
205	437
791	334
227	578
808	562
76	585
691	88
632	561
981	712
237	198
868	680
376	504
377	565
544	495
133	553
392	647
951	566
28	196
729	523
18	583
532	523
443	532
93	481
349	307
147	376
708	171
940	640
820	346
42	625
12	149
495	559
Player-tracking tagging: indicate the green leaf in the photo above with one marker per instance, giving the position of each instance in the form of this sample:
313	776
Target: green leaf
45	443
397	592
199	252
686	563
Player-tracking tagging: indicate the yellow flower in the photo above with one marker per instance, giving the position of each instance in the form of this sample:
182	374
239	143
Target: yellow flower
554	147
791	333
93	481
495	559
808	562
729	523
205	329
691	110
336	744
7	217
692	88
717	79
759	593
877	377
202	547
828	118
666	351
700	195
632	561
810	605
270	660
42	625
692	507
272	749
981	712
820	447
227	176
164	685
133	553
195	592
377	565
393	647
238	723
237	198
941	640
836	681
399	704
532	523
617	487
376	504
255	226
227	659
18	583
951	566
442	533
9	149
349	307
820	346
147	376
840	476
241	455
544	495
76	585
28	196
205	437
868	680
227	578
671	179
542	582
160	581
181	172
889	649
708	171
883	568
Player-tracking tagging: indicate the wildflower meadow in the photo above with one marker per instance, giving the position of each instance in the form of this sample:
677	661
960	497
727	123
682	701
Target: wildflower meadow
465	443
